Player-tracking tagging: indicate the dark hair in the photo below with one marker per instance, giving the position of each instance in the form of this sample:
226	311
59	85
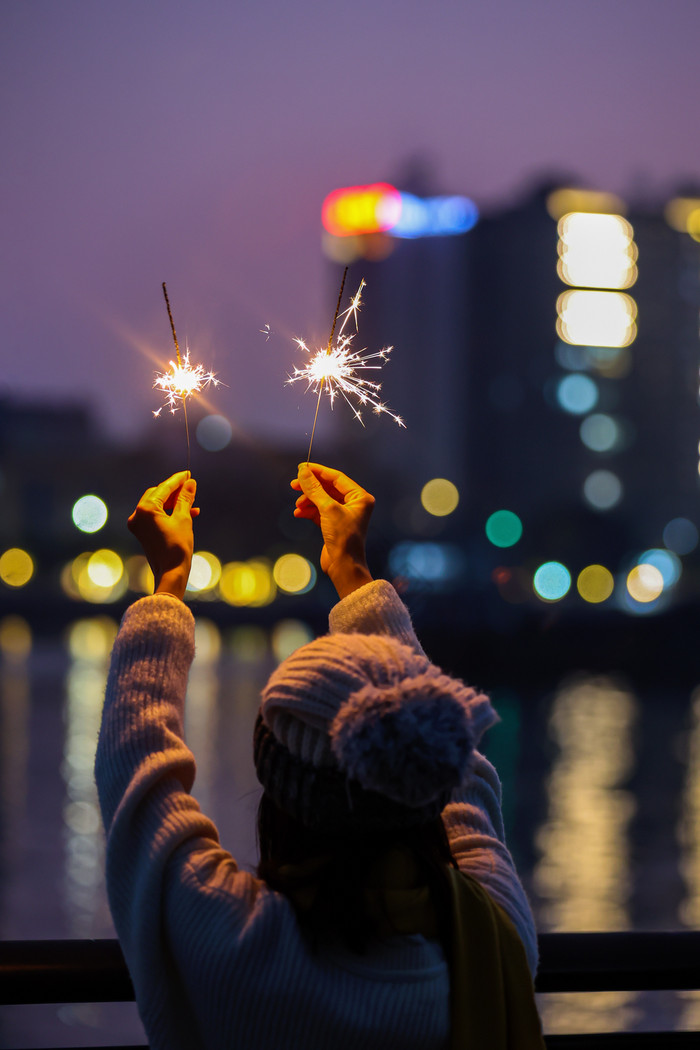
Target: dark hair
329	872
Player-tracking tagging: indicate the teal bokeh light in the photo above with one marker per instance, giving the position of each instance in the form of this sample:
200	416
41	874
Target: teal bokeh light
504	528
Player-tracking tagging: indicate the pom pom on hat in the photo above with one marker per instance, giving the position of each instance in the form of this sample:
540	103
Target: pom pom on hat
379	713
410	741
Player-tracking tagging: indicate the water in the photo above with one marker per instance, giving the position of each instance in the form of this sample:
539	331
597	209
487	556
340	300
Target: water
601	802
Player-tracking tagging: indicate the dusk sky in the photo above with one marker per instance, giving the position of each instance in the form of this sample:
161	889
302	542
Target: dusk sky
160	140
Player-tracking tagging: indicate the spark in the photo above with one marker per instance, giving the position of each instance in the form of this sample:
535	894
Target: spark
340	369
266	331
181	382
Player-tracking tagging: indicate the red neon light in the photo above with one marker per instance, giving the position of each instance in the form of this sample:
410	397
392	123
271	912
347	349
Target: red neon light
355	210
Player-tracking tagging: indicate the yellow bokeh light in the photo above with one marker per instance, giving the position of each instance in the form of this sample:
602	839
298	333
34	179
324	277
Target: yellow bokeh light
205	572
645	583
16	567
596	251
595	583
288	636
247	583
439	497
105	568
694	224
139	574
96	577
92	639
568	199
15	638
592	318
678	212
293	574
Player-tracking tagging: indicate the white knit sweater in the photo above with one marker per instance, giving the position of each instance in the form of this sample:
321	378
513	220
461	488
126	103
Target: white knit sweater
216	957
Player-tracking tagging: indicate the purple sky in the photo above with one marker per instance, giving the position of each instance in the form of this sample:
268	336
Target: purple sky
152	140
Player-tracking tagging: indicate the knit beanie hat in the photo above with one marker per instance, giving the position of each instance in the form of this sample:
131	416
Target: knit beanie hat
361	730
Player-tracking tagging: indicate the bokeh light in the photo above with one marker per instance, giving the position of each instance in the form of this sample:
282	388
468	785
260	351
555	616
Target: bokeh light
572	199
288	636
249	643
139	574
96	577
16	567
293	574
91	639
668	564
681	536
602	489
439	497
503	528
214	433
594	318
89	513
595	583
577	394
205	572
600	432
245	583
15	639
596	251
551	581
645	583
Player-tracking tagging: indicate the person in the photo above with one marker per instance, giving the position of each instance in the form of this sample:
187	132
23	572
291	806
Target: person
386	911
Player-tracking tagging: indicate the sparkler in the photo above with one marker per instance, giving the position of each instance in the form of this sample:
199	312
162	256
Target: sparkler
182	380
338	367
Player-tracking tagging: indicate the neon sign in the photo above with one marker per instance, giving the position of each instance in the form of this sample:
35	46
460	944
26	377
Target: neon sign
381	208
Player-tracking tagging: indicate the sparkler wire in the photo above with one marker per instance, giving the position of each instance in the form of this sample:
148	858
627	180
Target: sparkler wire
328	350
179	364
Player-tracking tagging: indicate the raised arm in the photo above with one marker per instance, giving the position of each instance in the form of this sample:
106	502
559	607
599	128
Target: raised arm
162	523
342	509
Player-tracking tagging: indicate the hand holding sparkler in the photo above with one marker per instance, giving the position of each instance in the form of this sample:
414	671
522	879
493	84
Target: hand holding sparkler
338	367
162	523
342	509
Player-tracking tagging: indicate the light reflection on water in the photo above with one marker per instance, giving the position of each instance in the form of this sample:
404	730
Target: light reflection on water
584	871
583	875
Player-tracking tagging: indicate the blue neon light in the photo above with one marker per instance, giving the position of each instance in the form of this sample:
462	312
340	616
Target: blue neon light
434	216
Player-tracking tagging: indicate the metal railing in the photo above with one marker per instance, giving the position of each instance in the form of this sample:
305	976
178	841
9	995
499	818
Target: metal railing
65	971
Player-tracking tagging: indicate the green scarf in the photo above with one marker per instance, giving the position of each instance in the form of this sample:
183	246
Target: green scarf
492	997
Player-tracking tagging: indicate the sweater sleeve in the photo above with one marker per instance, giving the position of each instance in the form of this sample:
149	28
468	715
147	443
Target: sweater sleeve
473	818
374	608
144	772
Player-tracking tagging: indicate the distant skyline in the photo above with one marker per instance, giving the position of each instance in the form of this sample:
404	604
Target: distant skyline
194	143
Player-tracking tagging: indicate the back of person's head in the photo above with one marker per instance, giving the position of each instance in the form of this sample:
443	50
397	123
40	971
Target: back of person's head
359	744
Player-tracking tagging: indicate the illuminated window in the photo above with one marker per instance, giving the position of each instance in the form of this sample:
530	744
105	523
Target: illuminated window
593	318
596	251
